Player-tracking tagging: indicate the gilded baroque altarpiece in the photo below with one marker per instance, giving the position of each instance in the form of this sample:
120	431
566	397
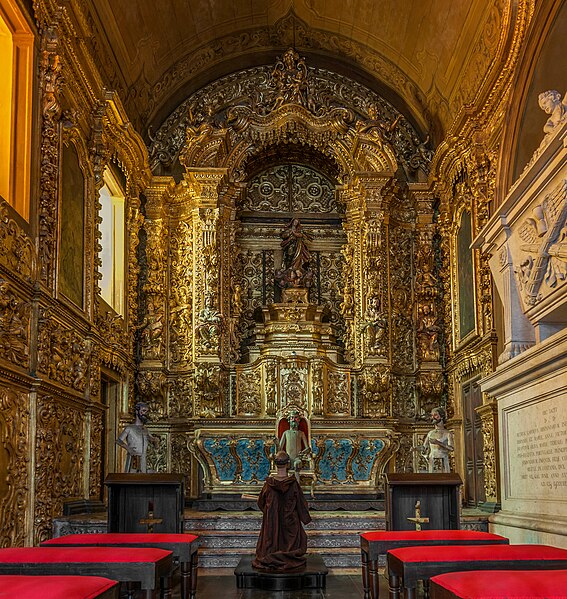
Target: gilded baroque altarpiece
204	337
225	349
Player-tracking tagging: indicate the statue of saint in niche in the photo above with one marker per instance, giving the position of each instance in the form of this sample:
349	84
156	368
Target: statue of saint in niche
295	271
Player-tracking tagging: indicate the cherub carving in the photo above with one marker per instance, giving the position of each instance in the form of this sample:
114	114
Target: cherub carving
550	102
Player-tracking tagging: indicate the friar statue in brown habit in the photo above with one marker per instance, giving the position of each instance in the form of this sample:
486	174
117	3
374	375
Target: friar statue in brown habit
282	543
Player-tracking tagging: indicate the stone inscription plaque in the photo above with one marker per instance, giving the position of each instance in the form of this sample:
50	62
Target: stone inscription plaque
537	458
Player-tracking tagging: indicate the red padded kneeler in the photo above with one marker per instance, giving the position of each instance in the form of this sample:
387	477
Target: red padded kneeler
122	538
183	546
58	587
376	543
500	584
420	536
145	566
84	555
422	563
478	553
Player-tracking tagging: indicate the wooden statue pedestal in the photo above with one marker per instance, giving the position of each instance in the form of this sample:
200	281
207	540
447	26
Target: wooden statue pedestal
437	493
313	576
135	500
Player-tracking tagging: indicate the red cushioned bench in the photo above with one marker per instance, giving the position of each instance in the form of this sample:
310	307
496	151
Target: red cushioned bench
374	544
143	566
496	584
58	587
183	546
407	566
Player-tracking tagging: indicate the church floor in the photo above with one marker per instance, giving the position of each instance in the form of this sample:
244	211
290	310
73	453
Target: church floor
338	586
220	583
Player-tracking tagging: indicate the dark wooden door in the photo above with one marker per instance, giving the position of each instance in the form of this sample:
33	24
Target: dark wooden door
474	452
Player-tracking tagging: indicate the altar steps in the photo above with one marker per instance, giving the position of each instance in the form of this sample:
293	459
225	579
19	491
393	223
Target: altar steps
226	536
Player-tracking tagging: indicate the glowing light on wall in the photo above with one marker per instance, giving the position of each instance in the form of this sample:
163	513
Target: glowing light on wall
112	254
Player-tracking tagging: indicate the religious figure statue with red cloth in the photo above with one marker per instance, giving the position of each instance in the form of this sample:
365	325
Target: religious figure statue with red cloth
282	543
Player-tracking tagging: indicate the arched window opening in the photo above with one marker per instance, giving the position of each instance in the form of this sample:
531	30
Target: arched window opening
112	242
16	71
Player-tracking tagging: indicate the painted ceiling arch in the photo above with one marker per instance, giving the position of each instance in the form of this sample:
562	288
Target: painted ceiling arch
428	57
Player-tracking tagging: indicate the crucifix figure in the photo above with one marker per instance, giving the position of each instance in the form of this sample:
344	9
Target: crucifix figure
418	519
149	520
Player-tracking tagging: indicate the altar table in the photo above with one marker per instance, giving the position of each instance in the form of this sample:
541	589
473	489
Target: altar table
144	566
407	566
376	543
183	546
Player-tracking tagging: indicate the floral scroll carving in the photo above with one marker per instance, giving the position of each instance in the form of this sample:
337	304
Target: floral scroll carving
14	326
59	465
63	354
14	465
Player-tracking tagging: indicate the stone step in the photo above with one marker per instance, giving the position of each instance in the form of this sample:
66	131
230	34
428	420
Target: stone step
210	540
243	521
341	557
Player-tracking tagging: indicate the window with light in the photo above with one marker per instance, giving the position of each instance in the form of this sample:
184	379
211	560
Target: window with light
16	76
112	254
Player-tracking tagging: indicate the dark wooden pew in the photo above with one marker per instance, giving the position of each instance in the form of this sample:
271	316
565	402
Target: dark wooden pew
376	543
183	546
50	587
144	566
407	566
499	584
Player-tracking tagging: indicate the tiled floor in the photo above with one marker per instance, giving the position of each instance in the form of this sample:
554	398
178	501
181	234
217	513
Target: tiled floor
339	586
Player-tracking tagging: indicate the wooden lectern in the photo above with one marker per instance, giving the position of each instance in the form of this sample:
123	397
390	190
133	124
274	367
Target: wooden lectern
145	502
438	496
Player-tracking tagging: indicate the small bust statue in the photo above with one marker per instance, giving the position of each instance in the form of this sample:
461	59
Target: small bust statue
439	442
550	102
135	439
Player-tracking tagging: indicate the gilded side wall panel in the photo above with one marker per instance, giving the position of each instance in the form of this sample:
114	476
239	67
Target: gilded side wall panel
60	455
15	454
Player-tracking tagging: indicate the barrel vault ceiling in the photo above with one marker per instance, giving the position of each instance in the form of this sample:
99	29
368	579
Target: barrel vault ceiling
427	57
